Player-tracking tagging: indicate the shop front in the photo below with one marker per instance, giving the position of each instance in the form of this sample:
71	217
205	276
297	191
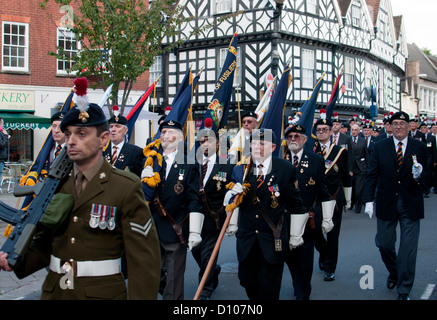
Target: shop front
16	109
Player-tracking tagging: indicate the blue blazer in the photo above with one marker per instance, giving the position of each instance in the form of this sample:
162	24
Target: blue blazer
391	183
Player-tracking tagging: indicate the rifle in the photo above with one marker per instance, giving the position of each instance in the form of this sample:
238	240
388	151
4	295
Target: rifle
26	221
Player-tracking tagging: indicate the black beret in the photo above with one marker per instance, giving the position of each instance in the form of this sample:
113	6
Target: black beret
324	122
170	124
58	116
296	128
263	134
161	118
250	114
400	115
118	119
92	116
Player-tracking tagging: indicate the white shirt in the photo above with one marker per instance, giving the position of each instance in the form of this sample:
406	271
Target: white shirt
327	145
169	161
119	146
211	161
266	166
299	155
404	144
336	137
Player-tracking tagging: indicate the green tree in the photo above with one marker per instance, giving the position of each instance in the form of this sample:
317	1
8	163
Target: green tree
120	39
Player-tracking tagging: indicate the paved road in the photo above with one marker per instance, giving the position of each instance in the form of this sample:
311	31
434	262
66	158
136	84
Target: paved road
357	250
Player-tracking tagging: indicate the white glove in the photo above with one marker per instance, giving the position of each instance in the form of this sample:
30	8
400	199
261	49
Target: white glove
297	228
196	224
233	223
417	170
369	209
147	172
348	196
327	213
236	189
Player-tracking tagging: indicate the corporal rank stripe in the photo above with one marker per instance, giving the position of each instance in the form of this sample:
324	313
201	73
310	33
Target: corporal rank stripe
144	230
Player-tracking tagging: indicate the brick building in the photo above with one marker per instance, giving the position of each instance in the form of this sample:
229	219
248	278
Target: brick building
33	84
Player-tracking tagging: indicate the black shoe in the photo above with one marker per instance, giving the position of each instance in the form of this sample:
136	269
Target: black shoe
403	296
391	282
426	195
329	276
215	279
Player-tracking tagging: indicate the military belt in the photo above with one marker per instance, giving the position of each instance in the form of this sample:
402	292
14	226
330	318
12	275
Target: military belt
177	227
85	268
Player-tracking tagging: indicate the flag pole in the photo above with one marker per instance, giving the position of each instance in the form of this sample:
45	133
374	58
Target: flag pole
219	241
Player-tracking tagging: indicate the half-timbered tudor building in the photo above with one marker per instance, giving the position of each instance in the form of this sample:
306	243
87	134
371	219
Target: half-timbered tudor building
317	36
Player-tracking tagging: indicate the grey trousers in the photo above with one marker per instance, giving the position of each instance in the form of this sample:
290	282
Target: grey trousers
173	259
401	266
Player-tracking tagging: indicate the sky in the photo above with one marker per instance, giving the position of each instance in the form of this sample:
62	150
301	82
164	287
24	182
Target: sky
420	21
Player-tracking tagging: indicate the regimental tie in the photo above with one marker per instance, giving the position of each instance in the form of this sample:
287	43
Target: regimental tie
399	155
164	167
260	179
323	150
355	141
204	168
334	140
58	149
114	154
79	182
295	161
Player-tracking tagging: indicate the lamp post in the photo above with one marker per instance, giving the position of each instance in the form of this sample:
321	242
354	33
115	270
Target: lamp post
275	62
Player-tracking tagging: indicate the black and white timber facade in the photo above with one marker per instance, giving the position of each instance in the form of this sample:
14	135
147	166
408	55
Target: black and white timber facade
317	36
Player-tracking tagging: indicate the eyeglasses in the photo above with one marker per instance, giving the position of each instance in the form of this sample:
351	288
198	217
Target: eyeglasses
247	121
399	124
294	136
324	130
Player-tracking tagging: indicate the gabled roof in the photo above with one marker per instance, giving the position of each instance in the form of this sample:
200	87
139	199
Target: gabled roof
374	5
344	6
397	21
426	65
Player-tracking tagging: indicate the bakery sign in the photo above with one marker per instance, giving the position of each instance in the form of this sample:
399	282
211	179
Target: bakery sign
17	100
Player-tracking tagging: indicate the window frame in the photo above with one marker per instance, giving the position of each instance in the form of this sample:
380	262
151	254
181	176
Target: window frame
308	68
349	73
25	56
155	72
60	31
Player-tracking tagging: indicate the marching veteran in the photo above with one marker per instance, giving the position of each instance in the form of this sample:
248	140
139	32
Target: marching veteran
397	172
83	253
271	193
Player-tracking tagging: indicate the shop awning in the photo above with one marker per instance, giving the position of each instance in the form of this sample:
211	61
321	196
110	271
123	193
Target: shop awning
23	120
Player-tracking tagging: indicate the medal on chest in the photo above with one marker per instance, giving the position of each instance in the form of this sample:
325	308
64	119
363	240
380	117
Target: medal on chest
275	195
220	177
179	188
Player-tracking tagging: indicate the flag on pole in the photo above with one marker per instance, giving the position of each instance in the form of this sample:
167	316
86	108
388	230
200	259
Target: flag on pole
218	108
136	110
334	95
308	111
239	139
153	151
105	96
36	168
273	119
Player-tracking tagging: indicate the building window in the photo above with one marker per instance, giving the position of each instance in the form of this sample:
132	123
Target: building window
15	46
312	6
223	54
356	16
223	6
349	70
156	70
307	68
68	46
